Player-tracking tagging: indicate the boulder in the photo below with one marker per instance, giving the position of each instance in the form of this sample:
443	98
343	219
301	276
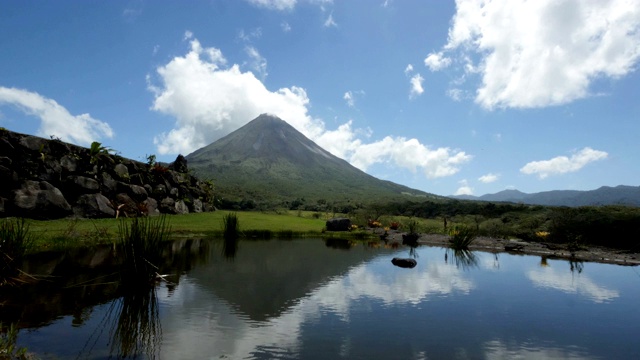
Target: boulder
150	206
121	172
40	200
79	185
404	262
93	206
168	206
179	165
338	224
181	207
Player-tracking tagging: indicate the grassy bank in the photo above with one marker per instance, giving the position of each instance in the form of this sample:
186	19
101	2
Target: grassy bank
67	233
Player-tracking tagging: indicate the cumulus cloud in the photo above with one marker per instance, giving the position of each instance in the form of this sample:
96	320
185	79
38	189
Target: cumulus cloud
410	154
563	164
464	188
55	120
275	4
540	53
209	100
437	61
489	178
416	86
285	26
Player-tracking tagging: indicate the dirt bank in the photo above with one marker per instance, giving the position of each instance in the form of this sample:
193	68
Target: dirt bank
551	251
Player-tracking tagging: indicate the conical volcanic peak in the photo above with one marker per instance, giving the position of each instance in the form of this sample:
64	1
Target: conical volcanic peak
267	138
269	159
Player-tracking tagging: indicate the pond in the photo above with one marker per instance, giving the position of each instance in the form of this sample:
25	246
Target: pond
311	299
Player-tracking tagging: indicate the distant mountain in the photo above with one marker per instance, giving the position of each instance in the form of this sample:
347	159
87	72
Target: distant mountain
269	160
606	195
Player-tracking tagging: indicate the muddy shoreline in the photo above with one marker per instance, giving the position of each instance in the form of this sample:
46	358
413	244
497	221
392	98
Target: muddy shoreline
548	250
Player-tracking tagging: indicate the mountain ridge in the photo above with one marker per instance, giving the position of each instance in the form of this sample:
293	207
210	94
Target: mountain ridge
604	195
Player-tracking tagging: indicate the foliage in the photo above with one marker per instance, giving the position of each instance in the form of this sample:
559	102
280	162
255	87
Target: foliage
98	153
8	340
15	241
230	226
412	226
461	236
140	241
151	160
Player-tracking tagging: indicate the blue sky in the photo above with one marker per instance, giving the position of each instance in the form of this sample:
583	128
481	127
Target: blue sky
449	97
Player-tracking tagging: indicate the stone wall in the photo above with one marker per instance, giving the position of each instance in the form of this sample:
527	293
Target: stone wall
50	179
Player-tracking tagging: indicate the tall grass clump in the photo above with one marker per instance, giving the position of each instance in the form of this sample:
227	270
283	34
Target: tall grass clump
141	241
15	240
461	237
230	226
8	340
230	234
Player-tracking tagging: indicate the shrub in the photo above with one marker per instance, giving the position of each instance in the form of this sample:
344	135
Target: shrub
461	237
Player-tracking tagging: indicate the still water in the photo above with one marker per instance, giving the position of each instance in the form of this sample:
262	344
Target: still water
305	299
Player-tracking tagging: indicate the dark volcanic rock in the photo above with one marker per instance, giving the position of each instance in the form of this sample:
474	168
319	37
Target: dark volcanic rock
338	224
47	179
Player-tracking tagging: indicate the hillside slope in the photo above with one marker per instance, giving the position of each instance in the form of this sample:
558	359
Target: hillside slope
267	160
605	195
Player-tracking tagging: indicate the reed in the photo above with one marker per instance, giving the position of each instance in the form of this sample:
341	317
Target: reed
8	343
15	240
461	237
230	226
141	243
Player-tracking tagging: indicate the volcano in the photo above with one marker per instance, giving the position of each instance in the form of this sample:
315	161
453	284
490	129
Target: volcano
269	160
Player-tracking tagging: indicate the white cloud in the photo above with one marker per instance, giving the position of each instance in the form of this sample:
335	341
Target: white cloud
256	62
416	86
330	22
285	26
275	4
210	100
55	120
489	178
348	96
464	188
248	37
437	61
187	35
408	70
455	94
410	154
563	164
540	53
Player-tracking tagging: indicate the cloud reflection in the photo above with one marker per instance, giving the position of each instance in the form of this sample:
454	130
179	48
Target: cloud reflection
568	282
497	349
218	327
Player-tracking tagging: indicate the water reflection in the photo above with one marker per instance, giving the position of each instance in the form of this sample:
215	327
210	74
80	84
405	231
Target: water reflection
464	259
303	299
498	349
230	247
136	329
568	282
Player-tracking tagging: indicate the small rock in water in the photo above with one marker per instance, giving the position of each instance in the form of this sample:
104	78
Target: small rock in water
404	263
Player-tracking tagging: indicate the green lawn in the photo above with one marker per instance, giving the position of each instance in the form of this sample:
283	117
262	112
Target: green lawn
64	233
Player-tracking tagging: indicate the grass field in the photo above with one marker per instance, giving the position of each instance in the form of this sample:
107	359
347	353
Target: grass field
68	233
65	233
